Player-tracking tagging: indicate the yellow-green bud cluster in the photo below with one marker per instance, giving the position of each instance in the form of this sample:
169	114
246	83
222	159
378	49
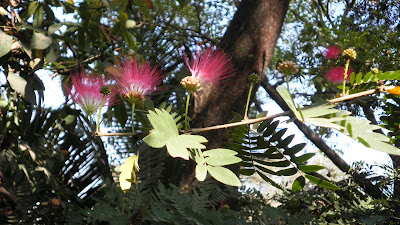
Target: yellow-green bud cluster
288	68
254	78
349	53
375	70
105	90
190	83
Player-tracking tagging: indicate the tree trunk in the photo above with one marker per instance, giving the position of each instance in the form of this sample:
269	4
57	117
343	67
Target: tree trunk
250	39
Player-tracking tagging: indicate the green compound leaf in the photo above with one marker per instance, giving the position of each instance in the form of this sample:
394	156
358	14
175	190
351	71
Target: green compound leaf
165	133
298	184
224	175
127	175
164	129
178	146
322	183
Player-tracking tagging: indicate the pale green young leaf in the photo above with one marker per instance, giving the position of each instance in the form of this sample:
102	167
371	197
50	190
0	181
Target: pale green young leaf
224	175
288	99
127	173
222	160
219	152
178	146
164	130
201	172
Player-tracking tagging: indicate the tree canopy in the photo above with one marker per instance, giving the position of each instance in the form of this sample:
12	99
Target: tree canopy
163	123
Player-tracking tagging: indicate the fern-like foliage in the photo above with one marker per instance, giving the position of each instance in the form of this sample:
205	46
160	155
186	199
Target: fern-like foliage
266	152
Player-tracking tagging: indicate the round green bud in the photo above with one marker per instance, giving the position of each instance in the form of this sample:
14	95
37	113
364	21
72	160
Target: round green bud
254	78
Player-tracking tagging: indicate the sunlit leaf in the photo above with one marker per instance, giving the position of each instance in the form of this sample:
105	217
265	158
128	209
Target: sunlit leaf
298	184
224	175
5	43
21	86
127	173
201	172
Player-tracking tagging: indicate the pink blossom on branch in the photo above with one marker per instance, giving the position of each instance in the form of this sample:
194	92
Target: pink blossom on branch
136	81
336	74
332	52
209	66
86	92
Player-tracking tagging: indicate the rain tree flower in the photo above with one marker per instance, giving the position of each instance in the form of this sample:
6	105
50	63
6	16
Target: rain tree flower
88	91
136	81
336	74
349	53
288	68
332	52
207	66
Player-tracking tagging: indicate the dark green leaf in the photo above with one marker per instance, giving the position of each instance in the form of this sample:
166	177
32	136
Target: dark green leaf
298	184
284	143
270	129
265	170
246	172
322	183
287	172
267	179
310	168
278	135
303	158
263	125
295	149
283	163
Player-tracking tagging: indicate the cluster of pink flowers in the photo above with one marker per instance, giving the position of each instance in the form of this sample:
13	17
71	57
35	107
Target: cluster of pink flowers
332	52
210	65
335	74
135	81
86	91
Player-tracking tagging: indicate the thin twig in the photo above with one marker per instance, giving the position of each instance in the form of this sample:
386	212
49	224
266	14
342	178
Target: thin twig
258	120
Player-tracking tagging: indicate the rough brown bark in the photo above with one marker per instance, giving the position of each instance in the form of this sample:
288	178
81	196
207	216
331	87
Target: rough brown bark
250	39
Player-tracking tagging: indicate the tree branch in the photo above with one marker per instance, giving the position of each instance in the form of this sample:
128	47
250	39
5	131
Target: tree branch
314	138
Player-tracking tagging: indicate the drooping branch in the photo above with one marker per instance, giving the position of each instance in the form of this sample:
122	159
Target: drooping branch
314	138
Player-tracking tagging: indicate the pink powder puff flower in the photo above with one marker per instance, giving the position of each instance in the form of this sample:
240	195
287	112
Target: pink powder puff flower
332	52
207	67
336	74
136	81
87	91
